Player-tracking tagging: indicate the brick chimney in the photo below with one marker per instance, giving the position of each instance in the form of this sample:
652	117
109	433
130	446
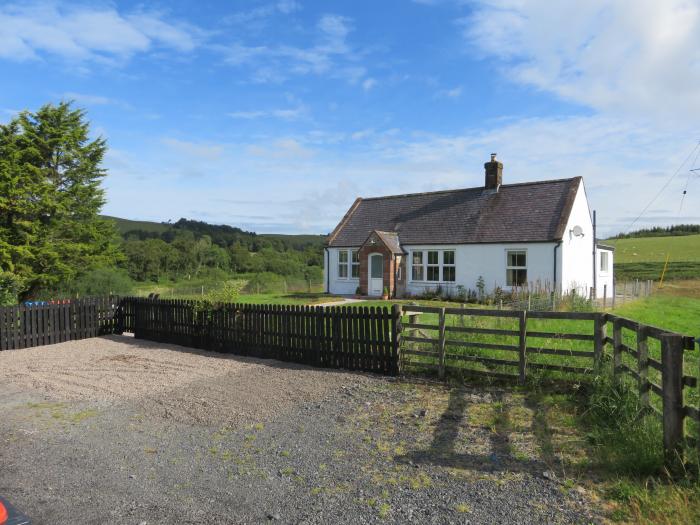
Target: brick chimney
494	173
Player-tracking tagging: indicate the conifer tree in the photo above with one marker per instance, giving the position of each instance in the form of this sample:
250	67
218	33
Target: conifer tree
50	198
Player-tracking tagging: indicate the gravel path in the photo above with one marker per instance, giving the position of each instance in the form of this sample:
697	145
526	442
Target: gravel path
121	431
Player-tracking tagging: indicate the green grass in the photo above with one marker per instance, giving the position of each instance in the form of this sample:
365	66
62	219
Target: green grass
644	257
653	271
678	314
656	249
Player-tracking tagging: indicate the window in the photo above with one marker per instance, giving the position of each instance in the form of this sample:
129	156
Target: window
516	268
355	270
448	266
343	264
433	268
417	266
348	264
604	261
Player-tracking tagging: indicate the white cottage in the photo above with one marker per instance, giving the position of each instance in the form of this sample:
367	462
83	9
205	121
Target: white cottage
534	234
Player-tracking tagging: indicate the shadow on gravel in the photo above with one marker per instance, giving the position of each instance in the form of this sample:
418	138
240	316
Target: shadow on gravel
443	448
147	344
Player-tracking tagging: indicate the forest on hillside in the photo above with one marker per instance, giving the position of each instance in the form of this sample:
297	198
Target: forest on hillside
661	231
190	248
55	244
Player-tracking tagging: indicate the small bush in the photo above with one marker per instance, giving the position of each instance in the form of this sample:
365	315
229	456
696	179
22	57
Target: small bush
228	292
10	287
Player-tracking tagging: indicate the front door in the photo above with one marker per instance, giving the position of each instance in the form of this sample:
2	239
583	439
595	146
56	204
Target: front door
376	274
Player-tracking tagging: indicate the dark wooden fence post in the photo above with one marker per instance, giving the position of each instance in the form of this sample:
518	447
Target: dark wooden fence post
522	346
672	385
441	343
617	347
599	335
395	339
318	320
643	365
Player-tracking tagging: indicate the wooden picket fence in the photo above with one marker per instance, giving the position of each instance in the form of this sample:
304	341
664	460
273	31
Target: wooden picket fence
45	324
334	337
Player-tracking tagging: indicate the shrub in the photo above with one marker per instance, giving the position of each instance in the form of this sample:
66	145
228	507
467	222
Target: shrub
10	287
228	292
101	281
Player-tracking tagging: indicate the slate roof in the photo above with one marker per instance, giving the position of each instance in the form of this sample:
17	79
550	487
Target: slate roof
526	212
391	241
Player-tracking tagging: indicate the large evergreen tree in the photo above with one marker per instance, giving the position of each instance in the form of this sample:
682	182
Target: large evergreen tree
50	197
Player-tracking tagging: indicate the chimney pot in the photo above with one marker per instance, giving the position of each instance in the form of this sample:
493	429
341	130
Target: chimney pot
494	173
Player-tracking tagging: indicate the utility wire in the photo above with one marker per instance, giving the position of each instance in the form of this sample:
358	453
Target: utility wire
687	181
663	188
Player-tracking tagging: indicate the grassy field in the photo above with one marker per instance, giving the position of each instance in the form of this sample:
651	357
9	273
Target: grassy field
656	249
644	257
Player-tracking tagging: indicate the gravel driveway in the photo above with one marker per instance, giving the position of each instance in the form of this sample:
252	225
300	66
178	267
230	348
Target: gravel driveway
117	430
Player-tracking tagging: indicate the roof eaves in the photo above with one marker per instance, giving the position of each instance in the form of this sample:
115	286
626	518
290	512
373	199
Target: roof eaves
568	206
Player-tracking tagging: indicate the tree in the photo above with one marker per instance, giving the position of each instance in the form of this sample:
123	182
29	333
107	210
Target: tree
50	198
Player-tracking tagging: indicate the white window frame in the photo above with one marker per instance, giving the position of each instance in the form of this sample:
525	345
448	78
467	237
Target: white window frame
421	266
354	264
509	267
349	264
424	265
343	264
604	256
435	265
444	265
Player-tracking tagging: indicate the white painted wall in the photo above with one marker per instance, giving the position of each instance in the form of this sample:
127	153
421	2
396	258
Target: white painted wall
577	252
487	261
605	278
337	285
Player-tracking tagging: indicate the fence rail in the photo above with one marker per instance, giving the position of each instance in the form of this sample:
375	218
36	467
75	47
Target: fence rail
431	342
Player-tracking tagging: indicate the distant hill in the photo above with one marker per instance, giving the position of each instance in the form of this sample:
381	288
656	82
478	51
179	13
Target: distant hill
126	225
220	234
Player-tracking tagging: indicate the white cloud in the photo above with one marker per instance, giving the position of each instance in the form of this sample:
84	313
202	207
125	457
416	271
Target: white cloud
450	93
631	57
285	114
84	33
195	149
329	55
284	7
368	84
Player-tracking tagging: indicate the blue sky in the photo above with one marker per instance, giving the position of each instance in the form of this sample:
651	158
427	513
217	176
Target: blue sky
274	115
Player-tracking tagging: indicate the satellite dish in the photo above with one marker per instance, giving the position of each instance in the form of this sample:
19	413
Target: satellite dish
577	231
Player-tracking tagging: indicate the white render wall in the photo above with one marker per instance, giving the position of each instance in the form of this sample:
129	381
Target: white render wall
337	285
487	261
577	252
605	278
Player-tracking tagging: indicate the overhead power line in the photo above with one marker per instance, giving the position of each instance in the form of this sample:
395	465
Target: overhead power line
666	184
